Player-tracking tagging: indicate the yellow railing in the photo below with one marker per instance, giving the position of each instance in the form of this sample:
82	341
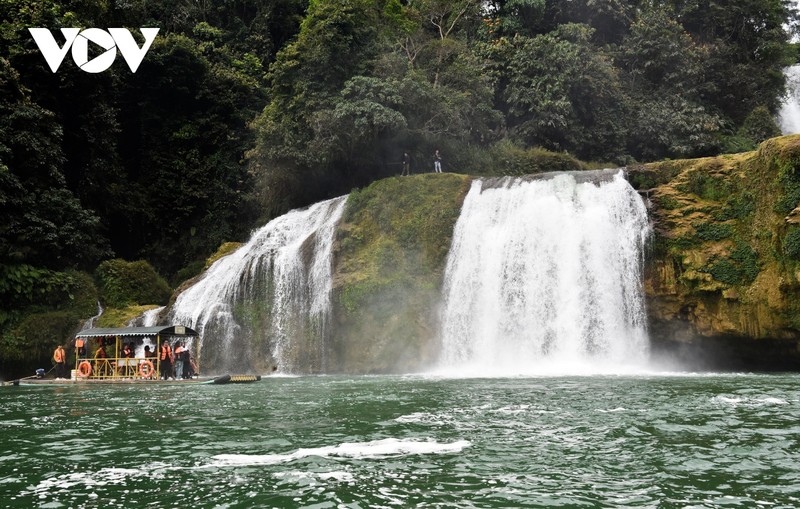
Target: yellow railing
137	368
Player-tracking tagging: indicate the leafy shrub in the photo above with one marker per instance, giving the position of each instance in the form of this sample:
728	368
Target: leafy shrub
740	268
512	160
707	187
124	283
713	231
791	244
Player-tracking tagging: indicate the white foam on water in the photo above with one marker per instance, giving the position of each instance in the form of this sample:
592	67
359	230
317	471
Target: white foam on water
389	447
103	477
336	476
749	401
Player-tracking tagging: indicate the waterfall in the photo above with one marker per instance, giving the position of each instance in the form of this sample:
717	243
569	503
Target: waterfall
268	303
88	324
147	319
789	114
544	276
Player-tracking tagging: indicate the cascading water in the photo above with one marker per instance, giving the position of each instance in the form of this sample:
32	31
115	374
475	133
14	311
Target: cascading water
789	114
268	303
147	319
544	276
88	324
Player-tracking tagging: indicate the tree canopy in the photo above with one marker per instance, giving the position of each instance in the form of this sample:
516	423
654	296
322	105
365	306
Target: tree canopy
242	110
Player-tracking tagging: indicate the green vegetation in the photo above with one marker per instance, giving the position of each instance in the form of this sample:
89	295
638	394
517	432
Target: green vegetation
791	244
726	257
392	247
126	283
241	111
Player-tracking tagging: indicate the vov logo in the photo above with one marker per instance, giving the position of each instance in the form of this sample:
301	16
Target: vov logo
110	41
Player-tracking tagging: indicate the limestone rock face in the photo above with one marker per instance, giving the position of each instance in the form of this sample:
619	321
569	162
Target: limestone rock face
722	278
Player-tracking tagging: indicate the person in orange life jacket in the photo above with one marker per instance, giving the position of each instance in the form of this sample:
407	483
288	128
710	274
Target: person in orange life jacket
100	356
166	360
60	358
127	353
80	347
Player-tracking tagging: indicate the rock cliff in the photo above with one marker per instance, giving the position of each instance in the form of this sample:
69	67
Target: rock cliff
722	277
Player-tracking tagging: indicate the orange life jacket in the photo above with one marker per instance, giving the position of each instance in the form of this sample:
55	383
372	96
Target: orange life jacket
166	352
58	355
79	342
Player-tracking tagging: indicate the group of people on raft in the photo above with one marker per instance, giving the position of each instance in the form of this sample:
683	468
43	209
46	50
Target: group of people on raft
173	362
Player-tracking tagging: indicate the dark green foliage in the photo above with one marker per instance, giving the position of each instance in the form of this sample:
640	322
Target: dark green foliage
789	179
124	283
725	271
191	270
41	308
759	125
563	94
791	244
738	206
739	268
713	231
510	159
708	187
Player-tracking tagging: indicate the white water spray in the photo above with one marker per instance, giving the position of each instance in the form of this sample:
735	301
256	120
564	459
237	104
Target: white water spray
88	324
544	276
789	114
270	298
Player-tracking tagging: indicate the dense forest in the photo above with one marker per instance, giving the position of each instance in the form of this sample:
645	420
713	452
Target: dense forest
244	109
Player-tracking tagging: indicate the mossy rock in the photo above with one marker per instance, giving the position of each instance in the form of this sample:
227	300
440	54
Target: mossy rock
121	317
123	283
390	253
224	250
724	261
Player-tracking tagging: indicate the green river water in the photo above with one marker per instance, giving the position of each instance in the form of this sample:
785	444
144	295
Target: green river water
598	441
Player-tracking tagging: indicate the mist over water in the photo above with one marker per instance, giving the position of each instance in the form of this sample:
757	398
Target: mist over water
544	276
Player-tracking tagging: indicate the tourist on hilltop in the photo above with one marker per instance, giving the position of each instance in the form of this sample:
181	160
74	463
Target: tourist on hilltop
406	164
166	360
437	162
60	358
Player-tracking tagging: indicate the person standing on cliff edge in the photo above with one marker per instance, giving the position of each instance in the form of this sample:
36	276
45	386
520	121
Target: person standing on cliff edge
406	164
437	162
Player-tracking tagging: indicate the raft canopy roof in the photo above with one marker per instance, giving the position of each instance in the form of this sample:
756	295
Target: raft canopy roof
164	330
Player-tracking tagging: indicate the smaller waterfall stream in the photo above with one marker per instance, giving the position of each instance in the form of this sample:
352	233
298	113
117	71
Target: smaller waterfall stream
88	324
789	114
268	302
545	276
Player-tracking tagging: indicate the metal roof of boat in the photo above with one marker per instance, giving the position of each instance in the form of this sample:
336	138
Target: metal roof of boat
171	330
